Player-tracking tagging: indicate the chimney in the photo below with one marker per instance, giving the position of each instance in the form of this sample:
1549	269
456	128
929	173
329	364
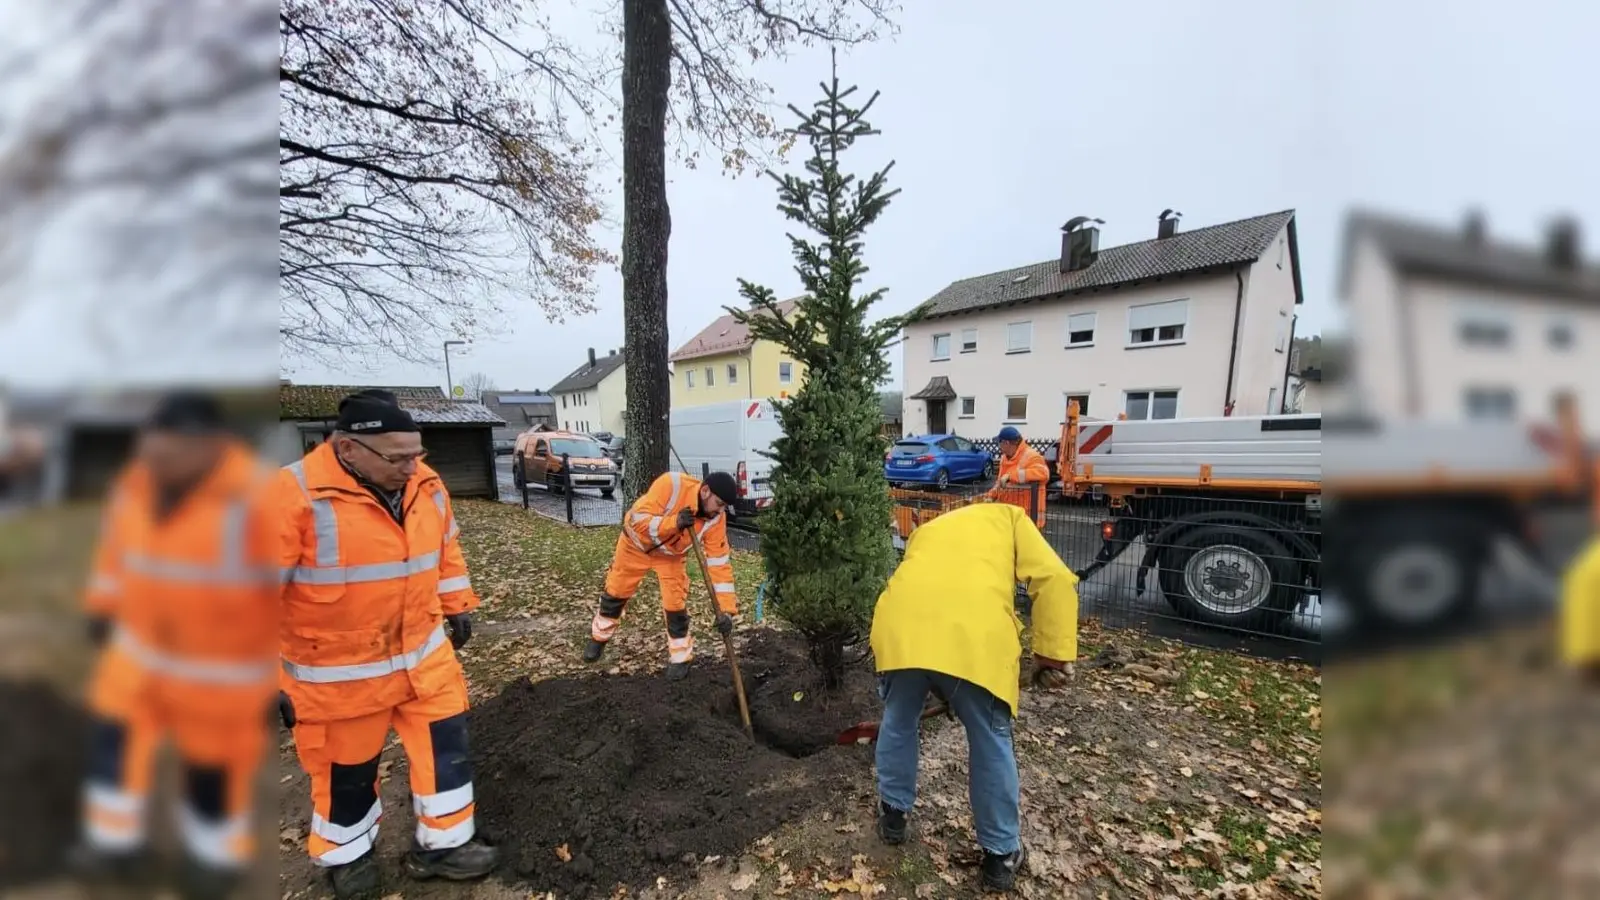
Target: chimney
1080	242
1168	223
1474	227
613	352
1561	247
591	357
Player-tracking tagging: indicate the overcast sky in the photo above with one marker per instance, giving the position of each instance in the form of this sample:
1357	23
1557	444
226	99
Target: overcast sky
1009	117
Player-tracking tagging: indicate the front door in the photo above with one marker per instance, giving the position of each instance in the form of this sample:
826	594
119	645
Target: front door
936	416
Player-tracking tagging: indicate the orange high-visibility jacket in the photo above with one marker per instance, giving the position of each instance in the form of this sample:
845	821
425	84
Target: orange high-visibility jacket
364	598
192	595
651	526
1026	468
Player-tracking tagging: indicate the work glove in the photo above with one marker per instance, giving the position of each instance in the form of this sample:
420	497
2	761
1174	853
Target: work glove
685	519
460	629
99	630
1050	674
724	623
286	710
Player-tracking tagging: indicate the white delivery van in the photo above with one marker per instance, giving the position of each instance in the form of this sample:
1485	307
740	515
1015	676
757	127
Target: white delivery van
729	437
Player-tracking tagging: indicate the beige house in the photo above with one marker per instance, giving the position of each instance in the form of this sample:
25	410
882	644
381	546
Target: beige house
724	361
594	397
1188	323
1453	324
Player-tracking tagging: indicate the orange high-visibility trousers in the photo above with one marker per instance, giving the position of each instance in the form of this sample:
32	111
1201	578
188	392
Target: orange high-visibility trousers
629	566
220	756
341	756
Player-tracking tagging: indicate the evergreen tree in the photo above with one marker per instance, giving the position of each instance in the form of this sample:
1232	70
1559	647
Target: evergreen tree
826	539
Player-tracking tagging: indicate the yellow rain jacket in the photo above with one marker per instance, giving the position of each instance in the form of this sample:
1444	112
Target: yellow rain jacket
951	605
1580	609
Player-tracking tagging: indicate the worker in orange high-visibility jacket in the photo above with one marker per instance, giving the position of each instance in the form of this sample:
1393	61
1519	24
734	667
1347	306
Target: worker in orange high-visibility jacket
655	536
373	573
183	601
1024	475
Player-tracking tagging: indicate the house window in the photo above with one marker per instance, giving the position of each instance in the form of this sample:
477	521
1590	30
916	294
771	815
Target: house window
688	375
1491	403
969	407
941	346
1482	325
1157	323
1282	342
1019	337
785	372
733	373
1561	335
969	340
563	401
1152	405
1083	403
1080	330
711	377
1016	407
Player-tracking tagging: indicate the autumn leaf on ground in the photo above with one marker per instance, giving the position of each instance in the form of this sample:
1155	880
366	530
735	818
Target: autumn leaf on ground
745	882
563	854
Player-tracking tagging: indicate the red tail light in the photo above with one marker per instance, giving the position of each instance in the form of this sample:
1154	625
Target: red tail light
1107	529
1548	439
925	459
744	480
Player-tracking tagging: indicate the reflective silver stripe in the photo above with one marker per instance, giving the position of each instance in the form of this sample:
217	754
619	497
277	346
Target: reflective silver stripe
192	573
102	837
451	532
214	843
364	573
234	520
350	852
360	671
724	588
104	584
325	525
635	538
707	526
298	470
112	800
718	560
445	838
451	585
672	505
438	501
199	671
344	834
443	803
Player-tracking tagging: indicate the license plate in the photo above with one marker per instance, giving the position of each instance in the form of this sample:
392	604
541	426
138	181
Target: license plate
904	462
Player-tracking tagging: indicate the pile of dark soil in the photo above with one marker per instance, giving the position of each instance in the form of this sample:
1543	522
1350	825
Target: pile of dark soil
592	782
41	763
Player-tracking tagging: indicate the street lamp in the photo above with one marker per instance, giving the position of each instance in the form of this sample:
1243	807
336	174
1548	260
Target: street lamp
449	383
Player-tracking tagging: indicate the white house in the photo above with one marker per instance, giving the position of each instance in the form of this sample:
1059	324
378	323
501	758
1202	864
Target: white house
1455	325
594	397
1189	323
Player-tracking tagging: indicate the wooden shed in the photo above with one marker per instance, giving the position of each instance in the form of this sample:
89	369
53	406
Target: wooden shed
458	434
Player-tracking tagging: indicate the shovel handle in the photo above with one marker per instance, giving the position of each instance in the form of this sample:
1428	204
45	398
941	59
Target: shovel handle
727	639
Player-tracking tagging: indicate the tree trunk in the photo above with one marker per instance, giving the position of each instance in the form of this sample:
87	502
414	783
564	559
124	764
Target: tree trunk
646	229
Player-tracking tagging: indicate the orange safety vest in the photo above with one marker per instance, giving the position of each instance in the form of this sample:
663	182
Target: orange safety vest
364	596
651	528
192	594
1029	475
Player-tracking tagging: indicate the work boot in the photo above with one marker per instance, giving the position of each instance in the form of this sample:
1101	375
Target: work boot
134	867
677	671
1000	869
198	881
891	824
356	878
474	859
594	651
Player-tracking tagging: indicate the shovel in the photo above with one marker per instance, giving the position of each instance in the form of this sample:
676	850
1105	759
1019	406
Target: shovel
727	639
868	731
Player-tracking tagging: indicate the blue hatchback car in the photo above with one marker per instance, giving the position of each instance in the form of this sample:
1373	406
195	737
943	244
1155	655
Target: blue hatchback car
936	459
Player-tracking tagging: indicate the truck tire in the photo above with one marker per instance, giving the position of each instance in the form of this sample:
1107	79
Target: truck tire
552	482
1417	573
517	479
1233	576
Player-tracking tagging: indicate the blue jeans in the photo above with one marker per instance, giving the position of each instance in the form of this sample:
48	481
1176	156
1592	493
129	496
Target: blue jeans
992	764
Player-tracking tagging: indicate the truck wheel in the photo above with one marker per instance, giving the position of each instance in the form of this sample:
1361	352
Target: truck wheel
1417	574
553	482
516	476
608	493
1231	576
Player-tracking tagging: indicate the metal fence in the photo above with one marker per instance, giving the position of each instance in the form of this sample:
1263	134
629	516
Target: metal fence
1205	569
558	498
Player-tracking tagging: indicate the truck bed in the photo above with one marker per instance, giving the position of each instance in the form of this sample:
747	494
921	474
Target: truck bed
1238	449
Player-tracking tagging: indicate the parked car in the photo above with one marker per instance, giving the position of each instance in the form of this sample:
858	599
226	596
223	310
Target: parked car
504	446
937	460
537	460
615	450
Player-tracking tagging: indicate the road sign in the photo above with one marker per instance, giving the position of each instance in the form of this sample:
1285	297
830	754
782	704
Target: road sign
458	392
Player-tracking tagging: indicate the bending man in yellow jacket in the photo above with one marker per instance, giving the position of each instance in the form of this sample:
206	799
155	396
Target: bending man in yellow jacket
655	536
946	624
1580	611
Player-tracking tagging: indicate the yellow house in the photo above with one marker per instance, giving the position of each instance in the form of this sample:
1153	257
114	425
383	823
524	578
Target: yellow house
723	362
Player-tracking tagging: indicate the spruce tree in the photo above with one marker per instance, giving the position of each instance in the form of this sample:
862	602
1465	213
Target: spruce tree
826	538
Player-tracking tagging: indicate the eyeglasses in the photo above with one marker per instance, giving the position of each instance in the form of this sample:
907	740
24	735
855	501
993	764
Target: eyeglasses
419	456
